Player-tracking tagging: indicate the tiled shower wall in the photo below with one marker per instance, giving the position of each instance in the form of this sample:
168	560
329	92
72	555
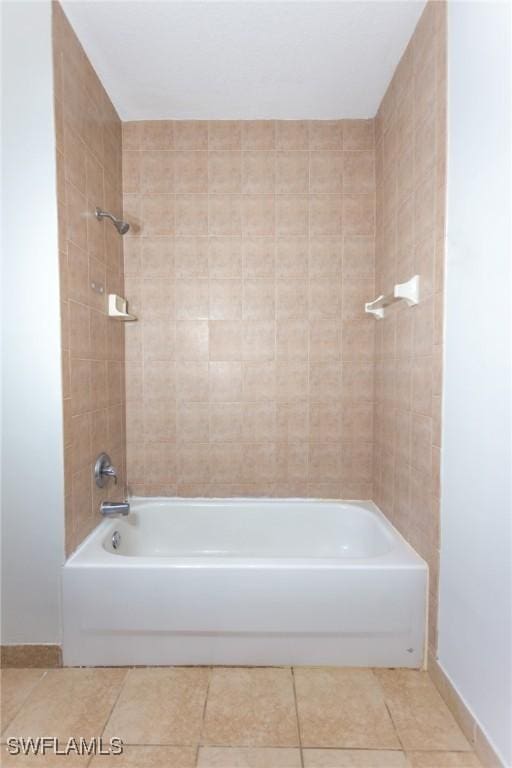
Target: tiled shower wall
410	165
248	262
88	139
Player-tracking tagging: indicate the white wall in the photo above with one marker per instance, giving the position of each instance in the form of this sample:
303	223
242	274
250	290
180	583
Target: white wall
475	638
32	451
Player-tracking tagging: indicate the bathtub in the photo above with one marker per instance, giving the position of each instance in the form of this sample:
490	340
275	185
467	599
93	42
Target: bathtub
245	582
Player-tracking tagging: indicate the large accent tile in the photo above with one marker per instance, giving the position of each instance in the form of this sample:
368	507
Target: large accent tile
422	719
248	757
353	758
68	703
343	708
443	760
148	757
251	707
16	685
160	706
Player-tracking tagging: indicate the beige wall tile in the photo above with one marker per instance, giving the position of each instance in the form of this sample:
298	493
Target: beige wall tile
258	299
157	134
156	172
249	290
325	134
191	134
224	134
160	216
192	340
226	422
258	257
325	214
193	422
326	171
325	257
291	257
258	134
191	171
224	215
225	299
358	134
225	257
225	381
410	161
191	216
192	381
258	172
258	381
224	172
292	172
193	465
191	257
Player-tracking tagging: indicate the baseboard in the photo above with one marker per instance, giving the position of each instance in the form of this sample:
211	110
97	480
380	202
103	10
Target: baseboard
466	720
42	656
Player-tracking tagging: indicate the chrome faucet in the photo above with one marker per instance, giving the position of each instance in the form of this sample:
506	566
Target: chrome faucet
103	469
114	508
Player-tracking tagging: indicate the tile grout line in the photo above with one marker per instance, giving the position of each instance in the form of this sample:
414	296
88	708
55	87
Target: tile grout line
25	700
203	719
121	688
292	669
388	710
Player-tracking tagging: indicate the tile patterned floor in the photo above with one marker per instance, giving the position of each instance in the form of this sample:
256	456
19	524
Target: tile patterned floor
182	717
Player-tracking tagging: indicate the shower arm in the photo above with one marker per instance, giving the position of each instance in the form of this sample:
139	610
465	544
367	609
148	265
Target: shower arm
121	226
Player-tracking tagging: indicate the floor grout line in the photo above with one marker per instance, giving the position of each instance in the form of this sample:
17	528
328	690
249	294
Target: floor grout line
121	688
5	726
292	669
384	699
195	747
203	719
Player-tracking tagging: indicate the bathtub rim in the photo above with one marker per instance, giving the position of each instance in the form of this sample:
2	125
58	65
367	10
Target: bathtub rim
91	553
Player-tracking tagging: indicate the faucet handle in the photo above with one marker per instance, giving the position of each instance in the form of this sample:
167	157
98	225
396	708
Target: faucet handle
110	472
103	469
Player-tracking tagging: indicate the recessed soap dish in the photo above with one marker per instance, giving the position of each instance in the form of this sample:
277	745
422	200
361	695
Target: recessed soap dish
118	307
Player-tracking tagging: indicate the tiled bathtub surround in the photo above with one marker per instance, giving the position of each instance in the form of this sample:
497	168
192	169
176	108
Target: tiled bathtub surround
248	262
410	172
88	138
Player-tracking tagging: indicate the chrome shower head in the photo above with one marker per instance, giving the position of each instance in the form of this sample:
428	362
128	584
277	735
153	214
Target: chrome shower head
121	226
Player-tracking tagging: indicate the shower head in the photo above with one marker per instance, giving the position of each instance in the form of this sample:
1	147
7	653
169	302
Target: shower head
121	226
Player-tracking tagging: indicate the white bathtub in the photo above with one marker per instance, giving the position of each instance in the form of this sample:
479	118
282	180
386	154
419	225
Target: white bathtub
253	582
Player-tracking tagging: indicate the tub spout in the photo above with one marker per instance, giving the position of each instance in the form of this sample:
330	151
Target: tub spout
114	508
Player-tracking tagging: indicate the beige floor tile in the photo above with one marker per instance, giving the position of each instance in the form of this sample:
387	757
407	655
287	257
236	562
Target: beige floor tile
148	757
248	757
16	685
343	708
47	760
68	703
443	760
251	707
421	717
160	706
353	758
